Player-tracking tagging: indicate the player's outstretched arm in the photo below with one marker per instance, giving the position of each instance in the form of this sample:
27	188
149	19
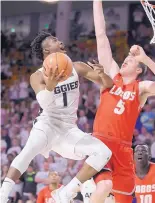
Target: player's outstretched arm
93	74
147	87
98	69
103	45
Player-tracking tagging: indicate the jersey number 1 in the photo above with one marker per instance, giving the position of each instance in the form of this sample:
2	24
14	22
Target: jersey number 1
119	109
64	98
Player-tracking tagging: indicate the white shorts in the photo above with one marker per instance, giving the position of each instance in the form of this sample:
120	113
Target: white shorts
60	137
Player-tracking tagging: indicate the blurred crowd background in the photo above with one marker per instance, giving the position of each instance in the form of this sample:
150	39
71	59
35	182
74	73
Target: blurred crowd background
127	24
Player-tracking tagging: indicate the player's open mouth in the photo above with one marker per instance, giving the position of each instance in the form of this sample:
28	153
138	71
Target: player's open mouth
140	158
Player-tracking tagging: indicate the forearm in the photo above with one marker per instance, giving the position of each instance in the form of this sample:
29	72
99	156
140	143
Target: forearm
103	45
87	72
45	98
39	180
99	20
150	64
106	81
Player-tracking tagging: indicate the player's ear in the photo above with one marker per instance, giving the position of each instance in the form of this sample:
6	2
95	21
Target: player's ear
46	51
138	70
150	157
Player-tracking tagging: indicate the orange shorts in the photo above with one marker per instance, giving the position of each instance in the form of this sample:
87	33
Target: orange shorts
120	168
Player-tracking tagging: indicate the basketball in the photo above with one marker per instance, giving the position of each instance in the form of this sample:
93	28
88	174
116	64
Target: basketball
60	61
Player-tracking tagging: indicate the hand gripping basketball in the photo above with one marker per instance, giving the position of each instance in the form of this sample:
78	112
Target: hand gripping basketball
53	78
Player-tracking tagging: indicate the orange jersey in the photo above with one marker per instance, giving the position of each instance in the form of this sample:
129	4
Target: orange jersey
118	110
44	196
145	188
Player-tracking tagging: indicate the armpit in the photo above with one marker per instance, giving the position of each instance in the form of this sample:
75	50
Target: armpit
147	87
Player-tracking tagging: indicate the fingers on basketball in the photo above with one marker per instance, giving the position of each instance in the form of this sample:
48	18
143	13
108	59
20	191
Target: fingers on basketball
60	76
58	66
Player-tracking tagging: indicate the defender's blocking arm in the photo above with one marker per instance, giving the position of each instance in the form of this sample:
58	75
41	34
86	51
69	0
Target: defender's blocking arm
93	75
103	46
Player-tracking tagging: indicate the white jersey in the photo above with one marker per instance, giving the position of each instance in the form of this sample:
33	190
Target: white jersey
66	99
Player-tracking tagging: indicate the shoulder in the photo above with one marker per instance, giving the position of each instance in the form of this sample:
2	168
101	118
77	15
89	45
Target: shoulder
36	77
36	74
152	165
117	78
45	189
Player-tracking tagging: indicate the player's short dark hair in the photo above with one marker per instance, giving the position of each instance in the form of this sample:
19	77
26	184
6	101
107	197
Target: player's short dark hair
144	70
36	44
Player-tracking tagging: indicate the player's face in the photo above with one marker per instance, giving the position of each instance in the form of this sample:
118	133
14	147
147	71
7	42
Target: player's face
141	154
52	46
54	177
130	67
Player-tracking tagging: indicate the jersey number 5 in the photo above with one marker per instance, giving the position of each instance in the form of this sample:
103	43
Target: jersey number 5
119	109
65	98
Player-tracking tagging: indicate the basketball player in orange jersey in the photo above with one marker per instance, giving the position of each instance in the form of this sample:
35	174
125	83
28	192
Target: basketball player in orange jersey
55	128
117	113
44	195
145	175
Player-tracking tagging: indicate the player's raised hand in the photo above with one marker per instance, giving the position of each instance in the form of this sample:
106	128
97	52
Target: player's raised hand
97	67
138	52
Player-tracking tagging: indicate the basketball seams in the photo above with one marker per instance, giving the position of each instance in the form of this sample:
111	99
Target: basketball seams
66	68
61	62
56	61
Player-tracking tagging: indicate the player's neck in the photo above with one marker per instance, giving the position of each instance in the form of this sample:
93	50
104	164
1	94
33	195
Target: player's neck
53	186
128	80
142	170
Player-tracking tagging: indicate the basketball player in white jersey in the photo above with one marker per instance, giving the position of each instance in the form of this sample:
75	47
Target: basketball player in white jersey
88	188
55	128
